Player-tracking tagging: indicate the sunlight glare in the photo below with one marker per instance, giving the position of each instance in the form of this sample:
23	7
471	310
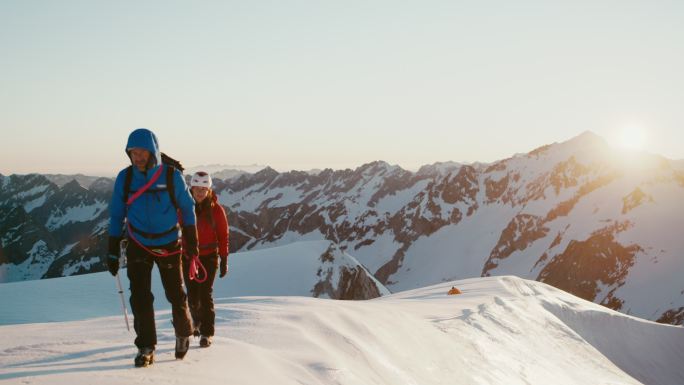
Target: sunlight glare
632	138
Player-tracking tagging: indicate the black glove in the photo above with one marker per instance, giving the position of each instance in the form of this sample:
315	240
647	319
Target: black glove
113	264
224	267
114	251
190	241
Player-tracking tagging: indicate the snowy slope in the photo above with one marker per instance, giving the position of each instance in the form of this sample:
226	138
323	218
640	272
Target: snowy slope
598	222
501	330
291	270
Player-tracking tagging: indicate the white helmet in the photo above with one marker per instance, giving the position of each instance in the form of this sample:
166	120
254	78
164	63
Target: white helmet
200	179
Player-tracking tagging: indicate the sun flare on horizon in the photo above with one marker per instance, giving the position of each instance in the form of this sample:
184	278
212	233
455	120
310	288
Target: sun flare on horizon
631	138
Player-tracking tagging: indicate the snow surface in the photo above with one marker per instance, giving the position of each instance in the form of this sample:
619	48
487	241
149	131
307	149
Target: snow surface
452	252
658	270
75	266
289	237
67	249
501	330
378	253
390	204
100	227
80	213
39	259
32	191
35	203
288	270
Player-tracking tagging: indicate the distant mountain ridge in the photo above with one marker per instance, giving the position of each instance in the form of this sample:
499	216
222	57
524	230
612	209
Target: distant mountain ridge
224	171
50	231
62	179
578	215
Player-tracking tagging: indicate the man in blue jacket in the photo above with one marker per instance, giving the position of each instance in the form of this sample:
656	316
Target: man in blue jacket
143	204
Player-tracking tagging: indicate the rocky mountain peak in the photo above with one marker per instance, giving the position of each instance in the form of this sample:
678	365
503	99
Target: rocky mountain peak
102	185
73	187
587	138
438	169
267	174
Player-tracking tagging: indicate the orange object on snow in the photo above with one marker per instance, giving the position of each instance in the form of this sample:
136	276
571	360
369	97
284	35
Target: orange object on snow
453	291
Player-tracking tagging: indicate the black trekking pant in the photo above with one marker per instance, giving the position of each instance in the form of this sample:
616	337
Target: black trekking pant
139	273
200	295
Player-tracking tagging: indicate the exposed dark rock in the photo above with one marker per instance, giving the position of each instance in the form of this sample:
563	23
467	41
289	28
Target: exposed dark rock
672	316
599	259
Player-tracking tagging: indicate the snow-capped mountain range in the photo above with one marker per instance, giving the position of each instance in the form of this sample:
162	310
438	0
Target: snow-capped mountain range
597	222
50	231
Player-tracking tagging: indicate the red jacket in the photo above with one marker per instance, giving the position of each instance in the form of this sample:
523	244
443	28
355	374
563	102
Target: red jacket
212	237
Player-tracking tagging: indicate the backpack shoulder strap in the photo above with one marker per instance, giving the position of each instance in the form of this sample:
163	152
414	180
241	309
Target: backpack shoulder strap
171	185
127	183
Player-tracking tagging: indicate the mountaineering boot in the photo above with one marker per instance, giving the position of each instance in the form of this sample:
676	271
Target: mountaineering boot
205	341
182	345
144	358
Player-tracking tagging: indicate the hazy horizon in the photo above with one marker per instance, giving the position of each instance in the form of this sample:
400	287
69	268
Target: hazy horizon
300	84
218	166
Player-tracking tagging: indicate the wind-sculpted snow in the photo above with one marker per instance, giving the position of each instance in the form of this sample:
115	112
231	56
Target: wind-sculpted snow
500	330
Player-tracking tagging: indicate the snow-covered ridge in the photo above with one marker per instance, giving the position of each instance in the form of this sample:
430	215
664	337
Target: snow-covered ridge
80	213
500	330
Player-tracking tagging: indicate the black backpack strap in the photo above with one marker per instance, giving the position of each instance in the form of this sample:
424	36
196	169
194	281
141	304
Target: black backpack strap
127	183
170	184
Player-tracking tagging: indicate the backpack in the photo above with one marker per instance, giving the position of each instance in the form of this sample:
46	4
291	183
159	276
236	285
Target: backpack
171	165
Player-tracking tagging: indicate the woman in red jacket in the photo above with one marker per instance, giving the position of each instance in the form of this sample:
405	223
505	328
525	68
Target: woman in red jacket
212	235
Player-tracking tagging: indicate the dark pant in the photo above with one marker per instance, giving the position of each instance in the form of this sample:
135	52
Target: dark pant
200	295
139	272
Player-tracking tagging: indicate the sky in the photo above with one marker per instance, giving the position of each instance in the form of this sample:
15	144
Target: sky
316	84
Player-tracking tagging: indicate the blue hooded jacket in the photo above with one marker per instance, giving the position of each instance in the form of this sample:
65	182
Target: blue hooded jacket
153	212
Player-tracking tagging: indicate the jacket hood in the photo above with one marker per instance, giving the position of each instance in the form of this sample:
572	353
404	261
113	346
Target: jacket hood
144	138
